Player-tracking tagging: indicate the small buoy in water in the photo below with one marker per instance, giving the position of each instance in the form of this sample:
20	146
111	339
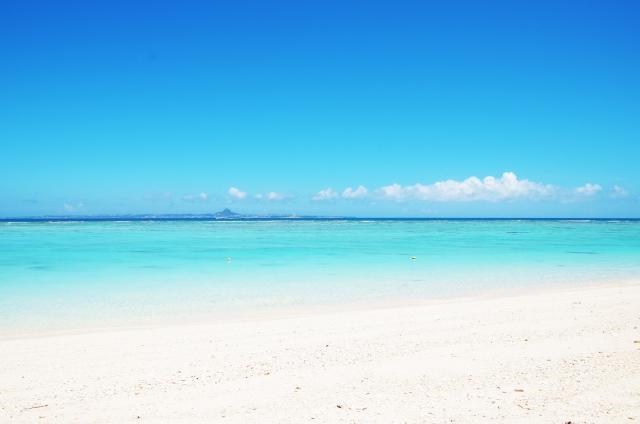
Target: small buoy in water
413	258
228	258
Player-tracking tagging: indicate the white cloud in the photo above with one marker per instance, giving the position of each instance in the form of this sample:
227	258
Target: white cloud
326	194
395	191
236	193
202	197
618	192
508	186
359	192
272	196
589	189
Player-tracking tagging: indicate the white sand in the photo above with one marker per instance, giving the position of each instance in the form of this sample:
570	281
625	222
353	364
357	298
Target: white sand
553	357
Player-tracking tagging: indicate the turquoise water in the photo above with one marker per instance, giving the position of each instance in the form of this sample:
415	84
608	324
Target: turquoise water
59	274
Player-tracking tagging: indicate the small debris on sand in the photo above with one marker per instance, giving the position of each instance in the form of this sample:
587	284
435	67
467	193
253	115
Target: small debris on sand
36	407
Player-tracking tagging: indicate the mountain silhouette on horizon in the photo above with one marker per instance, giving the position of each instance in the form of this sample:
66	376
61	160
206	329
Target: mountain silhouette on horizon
227	213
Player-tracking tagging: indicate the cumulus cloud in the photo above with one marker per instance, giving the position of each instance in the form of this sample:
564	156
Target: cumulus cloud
201	197
326	194
618	192
358	193
589	189
508	186
395	191
237	193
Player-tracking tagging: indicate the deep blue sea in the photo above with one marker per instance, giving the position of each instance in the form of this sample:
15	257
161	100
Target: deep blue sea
57	275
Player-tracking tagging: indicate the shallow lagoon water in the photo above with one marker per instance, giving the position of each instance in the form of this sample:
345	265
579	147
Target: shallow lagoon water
61	274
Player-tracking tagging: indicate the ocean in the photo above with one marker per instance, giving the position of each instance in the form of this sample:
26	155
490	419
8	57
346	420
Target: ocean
71	274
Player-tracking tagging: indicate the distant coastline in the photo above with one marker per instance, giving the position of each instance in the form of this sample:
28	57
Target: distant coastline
212	217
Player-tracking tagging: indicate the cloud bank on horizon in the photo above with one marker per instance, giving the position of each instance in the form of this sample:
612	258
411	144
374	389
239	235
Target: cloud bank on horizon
473	189
507	187
489	190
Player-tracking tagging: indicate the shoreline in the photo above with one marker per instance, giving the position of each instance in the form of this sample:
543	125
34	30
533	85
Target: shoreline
278	312
571	354
248	314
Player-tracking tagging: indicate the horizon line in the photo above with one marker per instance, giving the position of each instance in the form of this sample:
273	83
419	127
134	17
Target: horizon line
241	217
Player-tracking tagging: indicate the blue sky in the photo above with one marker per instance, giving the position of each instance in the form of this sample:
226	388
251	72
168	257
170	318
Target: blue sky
152	107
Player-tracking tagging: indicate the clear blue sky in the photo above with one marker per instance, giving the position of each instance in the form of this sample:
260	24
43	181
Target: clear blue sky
138	107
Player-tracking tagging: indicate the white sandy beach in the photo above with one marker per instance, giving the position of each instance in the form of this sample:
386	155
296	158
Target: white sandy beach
553	357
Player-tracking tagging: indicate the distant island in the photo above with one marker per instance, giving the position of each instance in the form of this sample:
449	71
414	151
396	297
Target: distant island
225	214
229	215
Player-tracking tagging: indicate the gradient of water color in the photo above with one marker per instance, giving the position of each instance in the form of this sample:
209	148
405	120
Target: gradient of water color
57	275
